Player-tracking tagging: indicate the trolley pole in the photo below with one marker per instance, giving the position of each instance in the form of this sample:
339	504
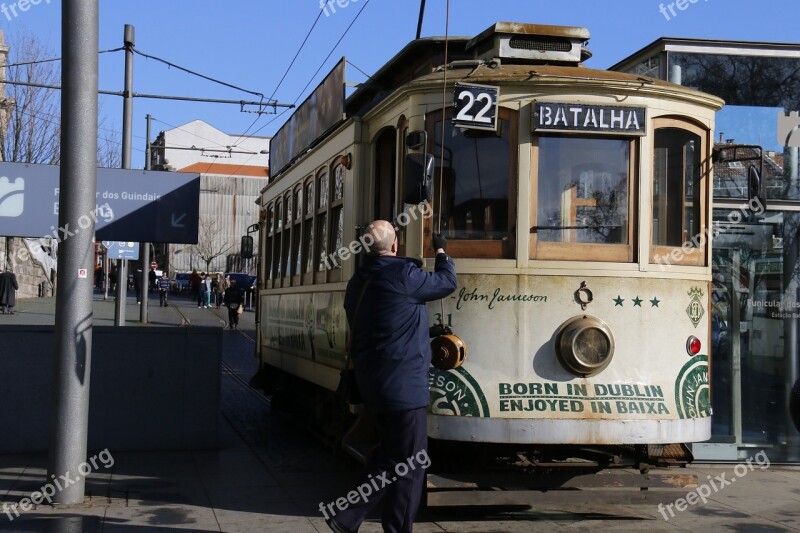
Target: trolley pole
145	246
78	182
127	134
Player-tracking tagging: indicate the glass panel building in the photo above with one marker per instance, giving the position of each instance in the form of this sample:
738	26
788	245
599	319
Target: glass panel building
755	303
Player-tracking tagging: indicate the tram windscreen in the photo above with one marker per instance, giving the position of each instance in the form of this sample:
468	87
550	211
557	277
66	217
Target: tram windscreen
583	190
475	180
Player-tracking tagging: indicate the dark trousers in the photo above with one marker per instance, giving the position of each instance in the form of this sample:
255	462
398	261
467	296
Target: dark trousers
162	294
402	450
233	315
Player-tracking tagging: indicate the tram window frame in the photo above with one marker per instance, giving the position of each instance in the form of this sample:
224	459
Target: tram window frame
269	239
684	254
577	251
321	246
309	218
297	234
286	239
503	248
336	208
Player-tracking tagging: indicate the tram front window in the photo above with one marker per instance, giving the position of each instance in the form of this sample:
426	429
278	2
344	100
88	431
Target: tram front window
476	181
583	190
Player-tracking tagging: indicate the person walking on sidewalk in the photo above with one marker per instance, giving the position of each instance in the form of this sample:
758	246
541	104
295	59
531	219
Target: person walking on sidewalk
8	291
233	300
163	289
385	303
219	284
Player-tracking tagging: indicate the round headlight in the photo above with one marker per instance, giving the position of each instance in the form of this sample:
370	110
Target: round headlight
584	345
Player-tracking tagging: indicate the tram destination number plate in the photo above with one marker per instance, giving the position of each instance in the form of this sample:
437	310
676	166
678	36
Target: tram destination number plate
475	106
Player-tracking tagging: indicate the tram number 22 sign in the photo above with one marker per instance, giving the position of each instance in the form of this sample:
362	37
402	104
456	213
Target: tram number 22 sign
475	106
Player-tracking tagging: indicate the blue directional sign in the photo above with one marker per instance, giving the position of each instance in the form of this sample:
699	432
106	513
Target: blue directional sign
131	205
122	250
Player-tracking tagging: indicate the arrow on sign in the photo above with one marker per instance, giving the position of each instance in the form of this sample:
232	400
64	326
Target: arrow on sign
176	222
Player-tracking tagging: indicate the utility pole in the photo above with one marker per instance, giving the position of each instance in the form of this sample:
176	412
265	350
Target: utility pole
78	182
127	134
145	246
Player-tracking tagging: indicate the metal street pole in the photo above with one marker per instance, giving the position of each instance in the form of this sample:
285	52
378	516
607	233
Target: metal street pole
78	182
145	246
127	134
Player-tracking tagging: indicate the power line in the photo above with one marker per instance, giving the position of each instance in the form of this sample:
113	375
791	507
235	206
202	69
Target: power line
193	73
320	67
52	59
272	96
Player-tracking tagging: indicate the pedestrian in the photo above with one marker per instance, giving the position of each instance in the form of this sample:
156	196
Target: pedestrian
233	300
203	293
209	290
385	303
8	291
112	278
152	279
163	289
194	284
138	280
219	289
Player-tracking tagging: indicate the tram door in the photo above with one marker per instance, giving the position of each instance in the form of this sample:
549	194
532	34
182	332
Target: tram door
385	180
751	297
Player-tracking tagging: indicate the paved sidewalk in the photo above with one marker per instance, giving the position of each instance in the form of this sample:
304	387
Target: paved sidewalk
271	475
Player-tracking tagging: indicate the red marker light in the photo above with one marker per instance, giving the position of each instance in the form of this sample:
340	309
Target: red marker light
693	345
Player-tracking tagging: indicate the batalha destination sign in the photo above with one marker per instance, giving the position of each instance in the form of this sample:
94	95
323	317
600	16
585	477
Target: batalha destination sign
548	116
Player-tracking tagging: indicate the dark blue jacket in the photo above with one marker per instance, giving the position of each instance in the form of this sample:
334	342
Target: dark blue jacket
390	345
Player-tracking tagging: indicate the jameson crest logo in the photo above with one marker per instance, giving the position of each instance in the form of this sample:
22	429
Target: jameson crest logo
456	393
692	389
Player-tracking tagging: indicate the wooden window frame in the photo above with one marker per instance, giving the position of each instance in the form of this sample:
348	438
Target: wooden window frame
286	239
321	206
309	218
297	234
335	274
480	248
612	253
679	255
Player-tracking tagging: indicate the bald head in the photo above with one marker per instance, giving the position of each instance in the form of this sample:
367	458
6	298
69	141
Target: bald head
382	235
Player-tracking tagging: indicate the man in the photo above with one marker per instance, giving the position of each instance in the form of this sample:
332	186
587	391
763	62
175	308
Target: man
8	291
391	354
163	289
233	299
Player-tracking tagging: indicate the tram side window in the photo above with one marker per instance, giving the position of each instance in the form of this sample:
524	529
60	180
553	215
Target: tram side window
583	199
478	178
269	257
321	241
287	237
678	194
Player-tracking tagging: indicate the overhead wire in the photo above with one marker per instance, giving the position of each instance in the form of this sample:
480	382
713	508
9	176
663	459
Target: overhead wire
333	49
52	59
302	45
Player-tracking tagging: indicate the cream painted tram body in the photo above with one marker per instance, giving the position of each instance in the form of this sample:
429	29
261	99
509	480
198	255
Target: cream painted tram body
578	226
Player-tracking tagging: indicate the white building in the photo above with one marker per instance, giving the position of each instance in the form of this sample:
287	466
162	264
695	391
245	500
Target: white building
233	169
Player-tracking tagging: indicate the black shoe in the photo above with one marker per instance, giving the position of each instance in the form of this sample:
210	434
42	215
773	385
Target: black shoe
336	526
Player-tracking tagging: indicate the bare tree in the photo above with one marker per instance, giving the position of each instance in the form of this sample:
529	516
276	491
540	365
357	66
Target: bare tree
210	241
30	131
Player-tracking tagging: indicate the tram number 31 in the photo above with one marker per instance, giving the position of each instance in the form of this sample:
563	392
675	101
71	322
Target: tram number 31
475	106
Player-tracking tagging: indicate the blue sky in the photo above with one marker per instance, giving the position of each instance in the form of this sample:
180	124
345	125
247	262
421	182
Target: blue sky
250	43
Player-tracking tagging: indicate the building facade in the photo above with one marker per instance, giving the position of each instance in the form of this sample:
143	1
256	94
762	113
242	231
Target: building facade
233	170
755	301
